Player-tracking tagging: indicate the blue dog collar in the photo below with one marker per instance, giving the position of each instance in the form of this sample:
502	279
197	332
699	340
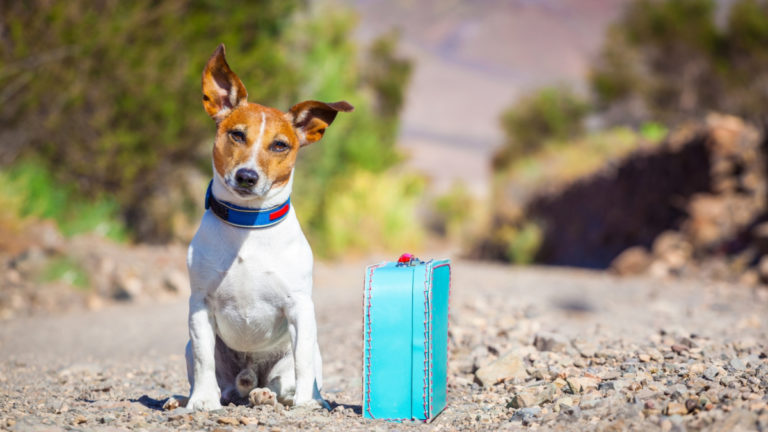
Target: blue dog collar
244	217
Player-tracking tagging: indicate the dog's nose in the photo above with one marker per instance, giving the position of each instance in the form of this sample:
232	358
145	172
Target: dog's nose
246	177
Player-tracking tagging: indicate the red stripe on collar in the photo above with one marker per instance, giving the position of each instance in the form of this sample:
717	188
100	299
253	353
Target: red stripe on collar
279	213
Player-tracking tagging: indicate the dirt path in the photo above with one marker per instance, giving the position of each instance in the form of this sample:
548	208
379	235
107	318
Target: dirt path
623	353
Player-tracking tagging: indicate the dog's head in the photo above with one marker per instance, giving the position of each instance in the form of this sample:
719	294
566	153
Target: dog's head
256	146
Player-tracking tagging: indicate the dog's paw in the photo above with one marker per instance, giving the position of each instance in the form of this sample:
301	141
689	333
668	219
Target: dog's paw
262	396
204	403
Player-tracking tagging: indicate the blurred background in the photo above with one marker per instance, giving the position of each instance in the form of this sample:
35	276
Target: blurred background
625	135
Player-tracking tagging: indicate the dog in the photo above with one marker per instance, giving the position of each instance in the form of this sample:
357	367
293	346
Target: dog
252	330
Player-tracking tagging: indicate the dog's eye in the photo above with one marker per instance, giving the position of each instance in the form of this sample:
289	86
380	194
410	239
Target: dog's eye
237	136
279	146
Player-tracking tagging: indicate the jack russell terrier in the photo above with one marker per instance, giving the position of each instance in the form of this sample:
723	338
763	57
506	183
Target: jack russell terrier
252	331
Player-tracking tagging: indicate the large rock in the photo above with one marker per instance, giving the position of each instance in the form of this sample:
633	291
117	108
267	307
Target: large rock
507	367
632	261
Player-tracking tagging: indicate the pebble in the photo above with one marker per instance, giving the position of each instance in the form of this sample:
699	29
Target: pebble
551	342
738	364
691	404
585	348
509	366
675	408
527	413
606	380
710	373
171	404
228	421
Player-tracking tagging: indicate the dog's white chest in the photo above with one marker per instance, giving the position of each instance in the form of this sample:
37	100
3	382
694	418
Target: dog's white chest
250	277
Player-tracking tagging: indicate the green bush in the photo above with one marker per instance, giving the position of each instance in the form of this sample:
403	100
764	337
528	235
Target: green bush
30	191
107	96
669	60
548	113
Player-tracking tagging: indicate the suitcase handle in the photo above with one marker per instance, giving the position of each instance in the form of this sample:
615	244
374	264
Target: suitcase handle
407	260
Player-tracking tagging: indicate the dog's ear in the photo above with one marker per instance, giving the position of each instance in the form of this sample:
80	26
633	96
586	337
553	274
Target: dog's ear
222	89
310	118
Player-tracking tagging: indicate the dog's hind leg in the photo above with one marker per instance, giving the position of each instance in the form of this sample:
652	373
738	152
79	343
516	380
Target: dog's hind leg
229	366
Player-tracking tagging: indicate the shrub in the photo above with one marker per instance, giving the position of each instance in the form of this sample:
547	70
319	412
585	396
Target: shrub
107	96
669	60
548	113
453	211
367	211
29	190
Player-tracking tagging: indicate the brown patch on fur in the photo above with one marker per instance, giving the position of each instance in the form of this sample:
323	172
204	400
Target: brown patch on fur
277	166
222	89
228	154
224	99
311	118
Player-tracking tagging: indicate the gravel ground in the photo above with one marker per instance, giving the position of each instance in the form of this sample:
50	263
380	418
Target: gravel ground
532	348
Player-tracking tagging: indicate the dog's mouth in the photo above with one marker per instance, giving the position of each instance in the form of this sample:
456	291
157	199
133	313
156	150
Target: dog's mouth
243	191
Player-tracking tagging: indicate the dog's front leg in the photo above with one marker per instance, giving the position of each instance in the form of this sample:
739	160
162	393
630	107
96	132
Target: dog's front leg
303	330
205	394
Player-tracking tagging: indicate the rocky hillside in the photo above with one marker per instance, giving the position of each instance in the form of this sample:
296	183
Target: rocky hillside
699	195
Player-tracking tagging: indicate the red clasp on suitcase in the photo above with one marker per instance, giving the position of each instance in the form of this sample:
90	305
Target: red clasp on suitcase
407	259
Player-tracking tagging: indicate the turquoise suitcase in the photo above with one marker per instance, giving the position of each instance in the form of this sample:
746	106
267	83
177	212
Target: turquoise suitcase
405	339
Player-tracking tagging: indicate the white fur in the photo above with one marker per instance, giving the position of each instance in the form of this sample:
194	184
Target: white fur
253	289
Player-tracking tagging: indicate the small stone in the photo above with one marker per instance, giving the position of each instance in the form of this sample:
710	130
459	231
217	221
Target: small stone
656	355
573	411
227	421
533	396
248	421
588	383
509	366
574	385
551	342
632	261
170	404
649	404
691	404
679	349
738	364
522	400
607	385
645	358
711	373
80	419
674	408
645	394
586	349
528	412
57	406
